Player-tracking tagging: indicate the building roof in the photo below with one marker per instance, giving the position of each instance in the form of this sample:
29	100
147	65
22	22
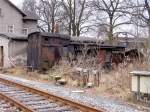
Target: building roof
30	16
19	10
131	39
26	15
14	36
140	73
105	46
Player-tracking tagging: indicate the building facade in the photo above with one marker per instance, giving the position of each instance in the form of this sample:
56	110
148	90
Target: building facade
13	20
15	25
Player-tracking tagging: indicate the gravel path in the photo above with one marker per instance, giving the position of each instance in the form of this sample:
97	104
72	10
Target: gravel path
108	104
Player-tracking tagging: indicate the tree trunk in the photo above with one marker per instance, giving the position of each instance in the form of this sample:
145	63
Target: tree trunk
49	28
53	25
70	27
149	30
78	30
74	29
70	16
110	33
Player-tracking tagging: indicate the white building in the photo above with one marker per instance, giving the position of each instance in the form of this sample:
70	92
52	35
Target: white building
15	25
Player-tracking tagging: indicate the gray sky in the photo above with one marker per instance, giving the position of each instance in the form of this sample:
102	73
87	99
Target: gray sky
17	2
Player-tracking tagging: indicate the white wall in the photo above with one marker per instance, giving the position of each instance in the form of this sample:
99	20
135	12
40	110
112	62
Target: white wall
10	16
144	84
4	42
18	52
31	26
14	52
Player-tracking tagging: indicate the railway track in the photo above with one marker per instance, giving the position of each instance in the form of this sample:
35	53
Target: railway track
8	106
28	99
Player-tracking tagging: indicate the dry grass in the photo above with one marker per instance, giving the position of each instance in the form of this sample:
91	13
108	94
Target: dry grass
61	69
115	84
22	72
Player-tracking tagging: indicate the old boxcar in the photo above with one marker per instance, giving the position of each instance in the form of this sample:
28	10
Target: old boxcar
110	54
45	49
84	46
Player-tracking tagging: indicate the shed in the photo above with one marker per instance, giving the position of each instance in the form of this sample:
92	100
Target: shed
46	49
13	50
140	82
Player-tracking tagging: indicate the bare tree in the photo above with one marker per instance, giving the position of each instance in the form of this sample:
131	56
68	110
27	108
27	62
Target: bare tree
144	14
111	14
48	11
29	6
147	6
140	12
76	14
141	18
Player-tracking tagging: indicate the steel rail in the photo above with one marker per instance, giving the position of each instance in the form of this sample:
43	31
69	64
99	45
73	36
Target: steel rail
16	103
75	104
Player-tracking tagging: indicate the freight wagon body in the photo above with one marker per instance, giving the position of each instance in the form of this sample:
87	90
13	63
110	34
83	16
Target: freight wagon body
45	49
111	54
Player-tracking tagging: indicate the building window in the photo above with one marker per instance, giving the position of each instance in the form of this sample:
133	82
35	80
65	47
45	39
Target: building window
10	29
0	11
25	31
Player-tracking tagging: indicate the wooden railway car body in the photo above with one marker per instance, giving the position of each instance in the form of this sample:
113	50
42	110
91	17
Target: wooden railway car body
45	49
109	54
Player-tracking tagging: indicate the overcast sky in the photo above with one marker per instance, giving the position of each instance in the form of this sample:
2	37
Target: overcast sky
17	2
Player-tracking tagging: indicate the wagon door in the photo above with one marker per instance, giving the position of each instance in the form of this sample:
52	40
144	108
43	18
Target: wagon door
58	53
48	57
102	54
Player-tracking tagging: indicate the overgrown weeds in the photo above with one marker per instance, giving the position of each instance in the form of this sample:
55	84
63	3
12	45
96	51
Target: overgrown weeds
116	83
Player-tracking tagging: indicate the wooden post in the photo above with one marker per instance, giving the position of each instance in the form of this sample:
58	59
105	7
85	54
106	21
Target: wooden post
138	85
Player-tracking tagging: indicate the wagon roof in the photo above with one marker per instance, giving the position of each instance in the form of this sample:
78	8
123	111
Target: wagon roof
85	39
50	35
112	46
14	36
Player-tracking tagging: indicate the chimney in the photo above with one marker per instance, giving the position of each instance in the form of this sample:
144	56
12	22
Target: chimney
56	29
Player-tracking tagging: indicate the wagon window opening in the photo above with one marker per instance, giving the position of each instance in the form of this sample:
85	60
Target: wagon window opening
46	38
108	56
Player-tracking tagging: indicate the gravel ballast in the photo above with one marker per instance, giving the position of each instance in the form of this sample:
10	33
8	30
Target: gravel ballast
108	104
